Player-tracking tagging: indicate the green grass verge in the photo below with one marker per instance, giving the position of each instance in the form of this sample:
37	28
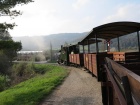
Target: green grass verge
32	91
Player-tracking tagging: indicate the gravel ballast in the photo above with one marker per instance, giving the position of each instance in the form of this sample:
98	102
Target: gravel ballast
79	88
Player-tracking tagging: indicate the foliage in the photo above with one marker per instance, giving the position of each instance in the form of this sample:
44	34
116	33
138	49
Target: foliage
41	69
10	48
10	45
21	72
4	63
23	69
127	42
32	91
4	82
5	10
4	35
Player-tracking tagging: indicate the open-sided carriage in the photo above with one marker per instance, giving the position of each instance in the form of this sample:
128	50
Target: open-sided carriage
120	78
118	72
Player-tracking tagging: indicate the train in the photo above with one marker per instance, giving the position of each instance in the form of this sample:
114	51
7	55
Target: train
118	71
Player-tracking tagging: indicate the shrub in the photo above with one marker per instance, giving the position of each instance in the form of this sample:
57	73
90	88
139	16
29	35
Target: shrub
4	63
21	72
41	69
4	82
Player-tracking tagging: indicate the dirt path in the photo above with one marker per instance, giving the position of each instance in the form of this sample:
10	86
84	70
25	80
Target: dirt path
79	88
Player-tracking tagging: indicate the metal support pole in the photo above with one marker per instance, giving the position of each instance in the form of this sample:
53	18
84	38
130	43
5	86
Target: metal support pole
83	49
97	60
74	48
67	55
138	40
88	46
107	45
118	44
97	49
78	49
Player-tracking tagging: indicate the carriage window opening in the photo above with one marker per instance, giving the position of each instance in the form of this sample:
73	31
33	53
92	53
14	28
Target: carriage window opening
128	43
86	48
93	48
114	45
102	46
81	48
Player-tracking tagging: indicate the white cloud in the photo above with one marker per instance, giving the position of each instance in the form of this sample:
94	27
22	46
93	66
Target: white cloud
129	12
72	25
39	22
44	17
79	3
37	19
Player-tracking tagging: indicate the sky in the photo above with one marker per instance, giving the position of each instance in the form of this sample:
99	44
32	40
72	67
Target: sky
45	17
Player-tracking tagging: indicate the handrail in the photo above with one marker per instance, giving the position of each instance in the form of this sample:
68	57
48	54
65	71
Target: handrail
120	78
116	88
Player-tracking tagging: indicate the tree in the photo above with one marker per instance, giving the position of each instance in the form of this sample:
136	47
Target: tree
5	10
4	35
4	63
10	48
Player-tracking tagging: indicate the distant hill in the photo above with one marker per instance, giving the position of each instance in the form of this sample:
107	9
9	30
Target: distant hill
43	42
128	42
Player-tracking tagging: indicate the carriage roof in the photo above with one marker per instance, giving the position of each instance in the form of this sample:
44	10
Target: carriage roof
113	30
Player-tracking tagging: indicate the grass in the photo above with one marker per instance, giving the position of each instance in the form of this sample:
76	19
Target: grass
32	91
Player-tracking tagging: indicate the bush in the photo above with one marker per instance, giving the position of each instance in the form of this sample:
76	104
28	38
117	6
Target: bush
41	69
22	71
4	63
4	82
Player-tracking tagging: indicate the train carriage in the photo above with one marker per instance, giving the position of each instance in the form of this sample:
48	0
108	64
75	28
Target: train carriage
75	57
118	72
114	77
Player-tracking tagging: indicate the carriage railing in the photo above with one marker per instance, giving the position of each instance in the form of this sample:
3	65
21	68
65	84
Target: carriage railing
119	81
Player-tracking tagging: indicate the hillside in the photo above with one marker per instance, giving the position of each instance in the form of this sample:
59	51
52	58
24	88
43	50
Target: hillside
43	42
